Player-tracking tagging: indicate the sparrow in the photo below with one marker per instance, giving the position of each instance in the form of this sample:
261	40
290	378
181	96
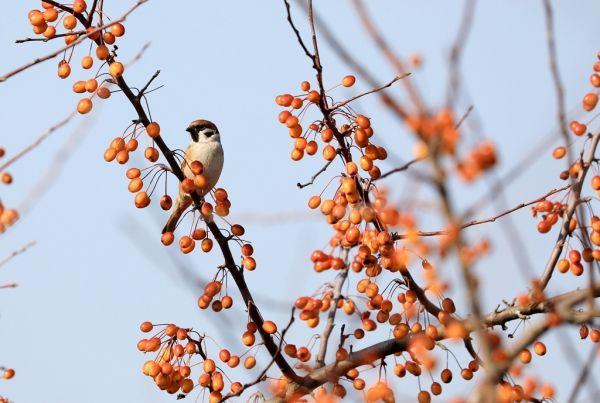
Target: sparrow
205	147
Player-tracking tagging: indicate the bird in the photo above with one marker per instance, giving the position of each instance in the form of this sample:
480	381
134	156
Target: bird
205	147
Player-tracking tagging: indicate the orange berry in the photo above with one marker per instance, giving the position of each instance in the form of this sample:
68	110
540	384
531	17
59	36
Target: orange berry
249	362
249	263
79	87
40	29
312	147
103	92
166	202
269	327
348	81
117	29
91	85
84	106
167	238
153	129
8	373
69	22
544	226
135	185
36	18
87	62
559	152
102	52
79	6
64	70
314	202
563	265
284	100
206	245
539	348
116	69
314	97
363	122
49	32
142	200
146	327
329	153
525	356
297	103
186	244
151	154
108	38
577	128
596	182
50	15
327	135
589	101
110	154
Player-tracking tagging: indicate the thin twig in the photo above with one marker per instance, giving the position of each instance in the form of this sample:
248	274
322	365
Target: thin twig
457	51
387	51
401	168
16	253
397	78
316	175
583	375
485	220
337	295
558	86
262	376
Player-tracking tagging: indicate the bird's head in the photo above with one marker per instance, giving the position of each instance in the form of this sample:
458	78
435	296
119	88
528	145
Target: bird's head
203	131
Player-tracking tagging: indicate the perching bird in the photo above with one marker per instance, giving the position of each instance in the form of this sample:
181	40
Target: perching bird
206	148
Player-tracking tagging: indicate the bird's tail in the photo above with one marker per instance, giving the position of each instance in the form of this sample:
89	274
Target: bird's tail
178	209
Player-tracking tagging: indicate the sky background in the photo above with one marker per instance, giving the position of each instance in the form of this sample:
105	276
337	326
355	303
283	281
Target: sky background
98	269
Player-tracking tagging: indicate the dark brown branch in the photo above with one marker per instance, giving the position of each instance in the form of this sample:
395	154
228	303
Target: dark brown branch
145	87
49	39
92	12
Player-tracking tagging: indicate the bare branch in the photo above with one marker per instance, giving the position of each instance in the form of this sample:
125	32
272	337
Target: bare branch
316	175
401	168
486	220
573	203
73	44
16	253
397	78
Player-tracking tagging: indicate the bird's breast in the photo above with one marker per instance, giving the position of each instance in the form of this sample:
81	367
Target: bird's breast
210	154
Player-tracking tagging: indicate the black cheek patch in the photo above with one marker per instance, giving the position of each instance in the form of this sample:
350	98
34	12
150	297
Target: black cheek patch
195	136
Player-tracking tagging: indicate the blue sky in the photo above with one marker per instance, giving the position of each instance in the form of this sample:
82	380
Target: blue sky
98	269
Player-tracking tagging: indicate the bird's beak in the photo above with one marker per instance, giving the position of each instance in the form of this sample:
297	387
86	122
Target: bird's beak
189	129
